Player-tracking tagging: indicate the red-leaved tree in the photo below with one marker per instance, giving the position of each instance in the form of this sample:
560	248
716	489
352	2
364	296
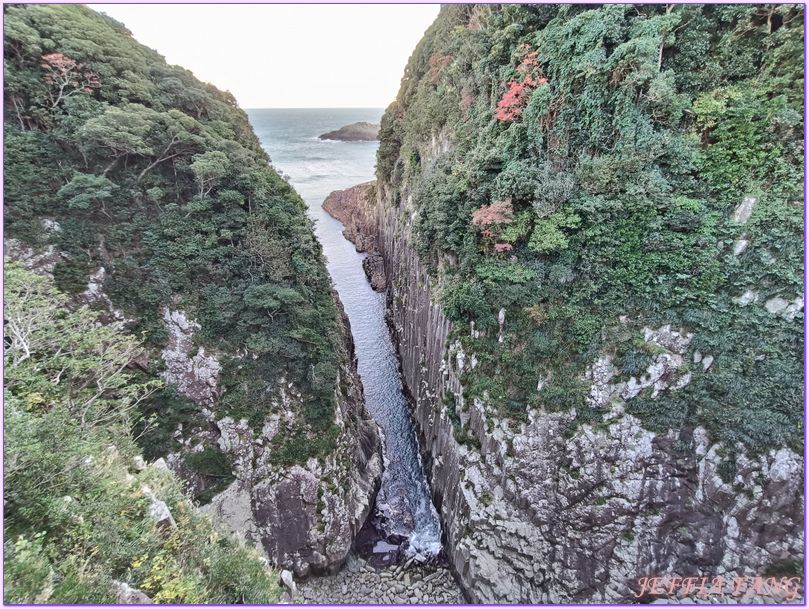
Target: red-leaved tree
438	61
491	219
65	77
510	107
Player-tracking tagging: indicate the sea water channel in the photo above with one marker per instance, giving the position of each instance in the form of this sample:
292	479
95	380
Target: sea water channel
316	168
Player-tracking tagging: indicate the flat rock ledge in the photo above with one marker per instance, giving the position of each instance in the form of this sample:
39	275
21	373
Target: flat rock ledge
358	583
355	208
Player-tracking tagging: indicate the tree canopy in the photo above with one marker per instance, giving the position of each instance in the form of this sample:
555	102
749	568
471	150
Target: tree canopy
115	160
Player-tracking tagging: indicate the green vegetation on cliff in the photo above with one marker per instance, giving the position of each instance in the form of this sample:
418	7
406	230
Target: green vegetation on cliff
76	521
122	168
576	165
158	179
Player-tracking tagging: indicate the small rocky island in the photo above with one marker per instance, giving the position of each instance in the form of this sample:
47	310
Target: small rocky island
358	132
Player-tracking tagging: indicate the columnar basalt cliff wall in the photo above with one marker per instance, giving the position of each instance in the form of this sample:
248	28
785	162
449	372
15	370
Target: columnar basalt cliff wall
305	517
536	515
595	274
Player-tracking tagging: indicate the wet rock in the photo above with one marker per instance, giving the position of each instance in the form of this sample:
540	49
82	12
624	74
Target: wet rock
355	208
374	267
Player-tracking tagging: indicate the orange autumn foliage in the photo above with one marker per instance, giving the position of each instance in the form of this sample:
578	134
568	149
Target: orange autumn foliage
510	107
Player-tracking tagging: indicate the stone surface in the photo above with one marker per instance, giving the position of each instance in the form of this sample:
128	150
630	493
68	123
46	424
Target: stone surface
743	211
750	295
369	586
159	511
793	309
289	582
126	595
776	305
740	246
663	374
355	208
41	263
780	306
195	374
304	517
374	267
578	518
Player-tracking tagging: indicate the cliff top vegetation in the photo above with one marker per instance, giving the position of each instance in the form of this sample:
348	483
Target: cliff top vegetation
605	170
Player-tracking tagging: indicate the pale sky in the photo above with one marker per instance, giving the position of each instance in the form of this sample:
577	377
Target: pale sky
285	56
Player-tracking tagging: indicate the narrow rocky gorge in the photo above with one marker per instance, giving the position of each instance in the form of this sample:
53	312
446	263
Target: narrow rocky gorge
574	371
354	207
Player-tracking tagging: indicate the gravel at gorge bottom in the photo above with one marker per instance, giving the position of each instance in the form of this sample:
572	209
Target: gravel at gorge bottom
359	583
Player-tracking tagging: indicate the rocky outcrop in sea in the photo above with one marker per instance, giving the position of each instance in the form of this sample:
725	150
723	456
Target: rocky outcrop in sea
354	207
357	132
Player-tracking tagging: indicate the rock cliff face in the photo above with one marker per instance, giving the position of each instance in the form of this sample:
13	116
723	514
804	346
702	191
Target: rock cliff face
542	512
355	208
304	517
610	389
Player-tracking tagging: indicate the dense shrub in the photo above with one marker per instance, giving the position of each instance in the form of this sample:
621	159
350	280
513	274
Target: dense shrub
75	519
159	179
623	137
